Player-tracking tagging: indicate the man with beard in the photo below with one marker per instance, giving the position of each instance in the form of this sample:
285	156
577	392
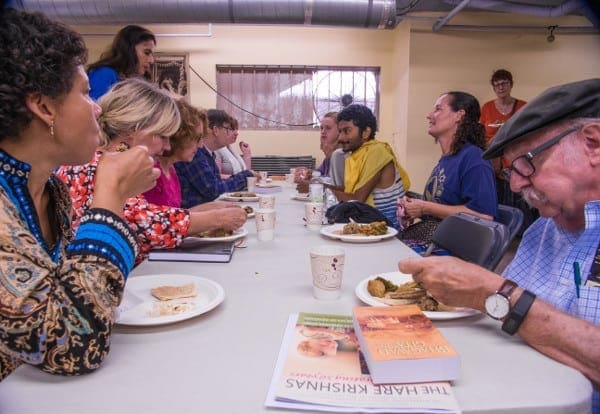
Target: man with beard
553	145
372	174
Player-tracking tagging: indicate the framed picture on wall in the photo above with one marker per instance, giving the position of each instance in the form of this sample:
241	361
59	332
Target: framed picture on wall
170	72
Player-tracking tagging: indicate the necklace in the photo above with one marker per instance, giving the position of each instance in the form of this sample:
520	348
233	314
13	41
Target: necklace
505	109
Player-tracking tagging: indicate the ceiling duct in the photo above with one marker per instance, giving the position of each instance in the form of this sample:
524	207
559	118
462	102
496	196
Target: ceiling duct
374	14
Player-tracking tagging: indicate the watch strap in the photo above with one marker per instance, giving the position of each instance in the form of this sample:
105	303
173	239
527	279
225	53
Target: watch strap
507	288
517	314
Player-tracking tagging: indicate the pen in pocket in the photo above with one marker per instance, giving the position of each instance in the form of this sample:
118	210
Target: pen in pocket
577	276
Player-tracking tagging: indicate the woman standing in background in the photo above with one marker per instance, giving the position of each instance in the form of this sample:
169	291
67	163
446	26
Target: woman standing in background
493	115
130	55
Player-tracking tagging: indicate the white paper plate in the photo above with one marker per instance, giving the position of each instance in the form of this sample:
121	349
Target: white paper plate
398	278
238	234
138	303
301	196
243	198
335	232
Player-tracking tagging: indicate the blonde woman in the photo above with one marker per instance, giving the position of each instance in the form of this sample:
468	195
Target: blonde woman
135	112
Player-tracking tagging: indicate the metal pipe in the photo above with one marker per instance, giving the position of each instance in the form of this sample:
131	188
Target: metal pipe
440	23
350	13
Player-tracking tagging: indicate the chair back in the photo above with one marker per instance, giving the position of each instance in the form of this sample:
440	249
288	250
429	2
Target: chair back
512	218
473	239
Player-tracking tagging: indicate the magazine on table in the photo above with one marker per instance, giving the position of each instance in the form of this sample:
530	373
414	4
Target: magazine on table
320	368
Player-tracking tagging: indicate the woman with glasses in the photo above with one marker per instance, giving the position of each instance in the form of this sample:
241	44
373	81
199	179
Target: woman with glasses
228	161
461	181
493	115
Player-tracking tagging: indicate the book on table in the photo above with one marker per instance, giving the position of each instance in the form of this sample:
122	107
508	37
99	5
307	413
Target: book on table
196	251
400	344
319	368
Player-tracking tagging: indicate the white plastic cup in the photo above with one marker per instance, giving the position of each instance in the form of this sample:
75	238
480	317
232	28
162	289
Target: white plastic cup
313	215
265	223
289	178
263	176
251	183
327	266
266	201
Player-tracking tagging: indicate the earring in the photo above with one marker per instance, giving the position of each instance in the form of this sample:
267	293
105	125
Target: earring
52	128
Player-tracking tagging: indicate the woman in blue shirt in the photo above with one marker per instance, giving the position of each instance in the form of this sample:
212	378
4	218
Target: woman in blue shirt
461	181
131	54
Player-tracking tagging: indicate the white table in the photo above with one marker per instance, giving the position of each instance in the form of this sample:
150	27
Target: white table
222	361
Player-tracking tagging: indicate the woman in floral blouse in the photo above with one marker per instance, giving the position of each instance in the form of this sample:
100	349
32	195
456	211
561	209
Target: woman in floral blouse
134	112
58	290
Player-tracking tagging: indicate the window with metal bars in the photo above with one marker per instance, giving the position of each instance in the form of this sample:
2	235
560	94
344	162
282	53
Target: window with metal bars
293	97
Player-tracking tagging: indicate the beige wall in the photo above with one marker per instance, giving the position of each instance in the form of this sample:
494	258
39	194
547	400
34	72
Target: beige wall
416	66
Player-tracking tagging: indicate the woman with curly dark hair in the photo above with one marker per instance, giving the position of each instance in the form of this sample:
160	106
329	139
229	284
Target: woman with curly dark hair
461	181
58	290
130	55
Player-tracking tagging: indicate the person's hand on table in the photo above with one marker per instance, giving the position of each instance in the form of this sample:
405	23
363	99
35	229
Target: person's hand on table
232	218
214	205
452	281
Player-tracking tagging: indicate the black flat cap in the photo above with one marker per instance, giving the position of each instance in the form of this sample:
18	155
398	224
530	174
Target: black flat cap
572	100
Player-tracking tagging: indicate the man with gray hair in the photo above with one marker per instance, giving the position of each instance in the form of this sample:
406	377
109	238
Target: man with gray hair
550	292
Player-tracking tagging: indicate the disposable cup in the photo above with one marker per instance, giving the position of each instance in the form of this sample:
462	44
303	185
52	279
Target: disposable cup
265	223
327	266
313	215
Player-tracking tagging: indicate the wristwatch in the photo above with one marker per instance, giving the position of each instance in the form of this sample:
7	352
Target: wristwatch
497	305
517	314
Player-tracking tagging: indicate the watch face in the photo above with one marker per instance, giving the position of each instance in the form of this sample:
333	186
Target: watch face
497	306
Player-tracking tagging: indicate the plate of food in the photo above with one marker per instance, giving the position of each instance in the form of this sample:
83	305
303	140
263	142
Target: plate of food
301	196
241	196
167	298
249	211
359	233
210	236
395	288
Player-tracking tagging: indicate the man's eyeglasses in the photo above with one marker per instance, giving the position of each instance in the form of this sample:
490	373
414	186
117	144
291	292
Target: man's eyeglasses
501	84
523	165
227	128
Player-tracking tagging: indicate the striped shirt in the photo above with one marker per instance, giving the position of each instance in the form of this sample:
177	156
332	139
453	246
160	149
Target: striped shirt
386	199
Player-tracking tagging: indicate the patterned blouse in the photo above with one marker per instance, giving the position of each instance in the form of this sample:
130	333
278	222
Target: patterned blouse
157	227
57	302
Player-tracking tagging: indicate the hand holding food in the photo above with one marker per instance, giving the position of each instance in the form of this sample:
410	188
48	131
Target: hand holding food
121	175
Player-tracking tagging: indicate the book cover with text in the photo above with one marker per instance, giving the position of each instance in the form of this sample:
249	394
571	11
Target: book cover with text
319	368
401	344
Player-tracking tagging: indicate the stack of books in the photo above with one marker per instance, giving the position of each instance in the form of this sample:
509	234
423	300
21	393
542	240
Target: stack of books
320	368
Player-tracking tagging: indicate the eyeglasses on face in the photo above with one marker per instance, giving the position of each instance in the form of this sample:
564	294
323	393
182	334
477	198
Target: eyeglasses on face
523	165
227	128
501	84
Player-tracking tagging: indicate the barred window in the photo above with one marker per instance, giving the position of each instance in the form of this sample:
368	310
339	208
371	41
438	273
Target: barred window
293	97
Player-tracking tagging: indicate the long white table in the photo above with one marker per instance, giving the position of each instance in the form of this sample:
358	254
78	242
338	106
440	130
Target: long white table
223	360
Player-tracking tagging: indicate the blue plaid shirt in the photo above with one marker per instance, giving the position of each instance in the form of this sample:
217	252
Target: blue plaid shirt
201	181
543	265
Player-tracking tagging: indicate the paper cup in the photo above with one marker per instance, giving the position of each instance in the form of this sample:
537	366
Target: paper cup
265	224
313	215
263	176
251	183
327	266
266	201
289	178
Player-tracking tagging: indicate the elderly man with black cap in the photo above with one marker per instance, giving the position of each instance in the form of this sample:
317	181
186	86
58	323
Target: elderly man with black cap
550	293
